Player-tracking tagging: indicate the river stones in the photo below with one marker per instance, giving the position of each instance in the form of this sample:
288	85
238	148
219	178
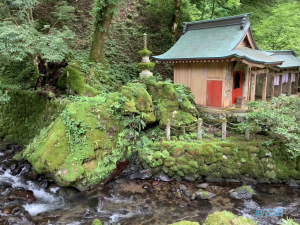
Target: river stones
143	174
203	195
202	186
244	192
248	180
21	195
292	183
161	176
214	179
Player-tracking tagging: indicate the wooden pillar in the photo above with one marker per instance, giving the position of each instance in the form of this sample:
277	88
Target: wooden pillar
272	85
280	85
289	85
249	83
245	85
253	85
265	84
296	83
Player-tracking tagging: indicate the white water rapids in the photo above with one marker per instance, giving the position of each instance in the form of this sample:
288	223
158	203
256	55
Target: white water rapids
45	201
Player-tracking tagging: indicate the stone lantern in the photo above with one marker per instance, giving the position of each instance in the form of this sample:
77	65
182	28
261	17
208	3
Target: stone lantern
146	66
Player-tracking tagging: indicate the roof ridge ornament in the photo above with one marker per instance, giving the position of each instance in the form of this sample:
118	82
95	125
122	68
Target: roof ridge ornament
243	22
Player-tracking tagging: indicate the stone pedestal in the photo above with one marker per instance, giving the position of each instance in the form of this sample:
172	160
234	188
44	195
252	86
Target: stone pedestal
240	102
146	73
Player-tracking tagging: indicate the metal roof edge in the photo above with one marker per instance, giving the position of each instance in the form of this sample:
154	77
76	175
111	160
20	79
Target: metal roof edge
283	51
224	57
219	19
220	22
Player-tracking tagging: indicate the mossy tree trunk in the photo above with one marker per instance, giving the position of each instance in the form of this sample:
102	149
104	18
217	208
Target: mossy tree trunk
102	26
176	16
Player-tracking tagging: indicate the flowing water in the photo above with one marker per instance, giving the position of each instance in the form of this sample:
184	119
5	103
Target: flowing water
26	198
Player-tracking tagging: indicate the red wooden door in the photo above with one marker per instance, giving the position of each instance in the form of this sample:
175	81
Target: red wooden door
237	88
214	93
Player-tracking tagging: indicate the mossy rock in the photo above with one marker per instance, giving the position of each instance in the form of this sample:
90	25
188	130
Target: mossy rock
97	222
227	218
185	222
168	107
73	159
74	80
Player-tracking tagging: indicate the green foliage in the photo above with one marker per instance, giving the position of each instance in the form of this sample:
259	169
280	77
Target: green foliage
98	7
288	221
145	52
280	116
75	129
280	30
97	222
146	66
21	41
24	114
4	97
227	218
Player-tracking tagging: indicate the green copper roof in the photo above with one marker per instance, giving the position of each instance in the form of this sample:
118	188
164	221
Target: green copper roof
216	39
257	56
289	57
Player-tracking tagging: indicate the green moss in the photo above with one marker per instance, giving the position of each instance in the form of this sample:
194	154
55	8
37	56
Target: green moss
185	222
74	79
146	66
165	153
157	155
145	52
97	222
245	189
227	218
25	114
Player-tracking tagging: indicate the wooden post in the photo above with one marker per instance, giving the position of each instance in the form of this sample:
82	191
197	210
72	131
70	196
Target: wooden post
247	134
246	84
200	129
289	85
280	85
265	84
296	82
168	129
253	85
249	84
224	124
272	85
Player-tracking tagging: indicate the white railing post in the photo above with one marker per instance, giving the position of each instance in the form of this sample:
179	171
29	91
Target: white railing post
200	129
168	129
224	124
247	134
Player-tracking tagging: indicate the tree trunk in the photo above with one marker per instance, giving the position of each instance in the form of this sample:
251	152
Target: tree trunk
213	10
101	32
176	16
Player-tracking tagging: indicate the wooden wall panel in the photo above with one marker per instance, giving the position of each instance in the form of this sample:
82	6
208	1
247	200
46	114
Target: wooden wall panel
195	75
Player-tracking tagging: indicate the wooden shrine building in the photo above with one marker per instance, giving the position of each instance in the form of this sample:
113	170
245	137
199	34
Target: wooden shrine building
219	60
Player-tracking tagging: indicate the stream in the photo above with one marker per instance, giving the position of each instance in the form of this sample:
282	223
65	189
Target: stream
28	198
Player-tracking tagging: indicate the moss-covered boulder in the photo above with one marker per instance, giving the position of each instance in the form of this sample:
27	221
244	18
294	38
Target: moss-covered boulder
97	222
227	218
185	222
138	101
74	81
81	147
173	102
84	145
